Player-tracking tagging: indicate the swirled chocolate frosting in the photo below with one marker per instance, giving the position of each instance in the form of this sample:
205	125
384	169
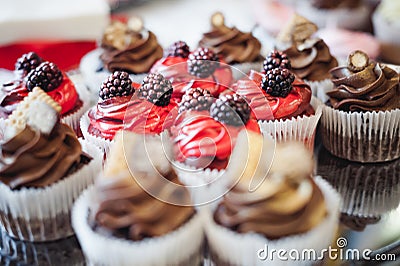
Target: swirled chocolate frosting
233	45
127	50
33	159
282	209
128	211
375	88
311	59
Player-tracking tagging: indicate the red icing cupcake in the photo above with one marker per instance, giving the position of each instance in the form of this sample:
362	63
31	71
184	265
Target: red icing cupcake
31	72
205	132
145	108
193	70
296	103
280	101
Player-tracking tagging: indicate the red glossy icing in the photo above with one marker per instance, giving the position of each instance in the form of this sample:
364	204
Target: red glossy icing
295	104
65	94
197	135
175	68
131	113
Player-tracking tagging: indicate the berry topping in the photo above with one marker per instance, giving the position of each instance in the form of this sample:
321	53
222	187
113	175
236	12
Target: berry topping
27	62
276	59
278	82
178	49
202	62
197	99
117	84
46	76
156	89
231	109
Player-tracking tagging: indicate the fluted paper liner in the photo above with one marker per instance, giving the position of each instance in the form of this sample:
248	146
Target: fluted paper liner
242	249
180	247
43	214
100	142
295	129
72	119
362	136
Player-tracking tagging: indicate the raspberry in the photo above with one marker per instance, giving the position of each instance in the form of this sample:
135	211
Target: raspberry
196	99
276	59
202	62
47	76
178	49
231	109
156	89
278	82
117	84
27	62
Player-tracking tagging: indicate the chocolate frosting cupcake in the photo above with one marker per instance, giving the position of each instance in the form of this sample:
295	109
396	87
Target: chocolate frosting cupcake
374	88
232	44
310	57
128	211
129	50
33	159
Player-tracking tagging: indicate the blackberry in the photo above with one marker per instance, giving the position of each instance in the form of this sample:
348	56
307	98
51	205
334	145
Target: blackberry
117	84
197	99
178	49
27	62
231	109
278	82
47	76
156	89
276	59
202	62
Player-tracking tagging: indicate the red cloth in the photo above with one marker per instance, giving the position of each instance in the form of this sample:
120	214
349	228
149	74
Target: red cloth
65	54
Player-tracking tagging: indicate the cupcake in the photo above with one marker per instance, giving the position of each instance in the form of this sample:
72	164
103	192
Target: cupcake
347	14
282	104
32	71
386	24
138	213
43	168
281	208
361	120
204	135
368	191
201	68
310	57
124	47
146	108
239	49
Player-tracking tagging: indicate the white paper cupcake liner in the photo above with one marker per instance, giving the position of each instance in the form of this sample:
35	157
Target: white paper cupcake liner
89	66
295	129
180	247
347	18
43	214
320	88
73	119
367	190
206	186
100	142
242	249
362	136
